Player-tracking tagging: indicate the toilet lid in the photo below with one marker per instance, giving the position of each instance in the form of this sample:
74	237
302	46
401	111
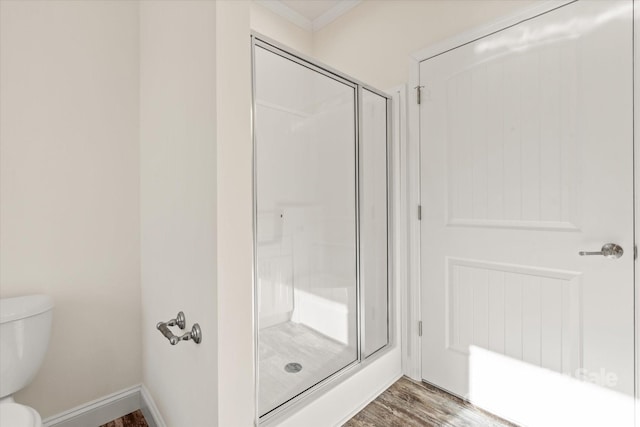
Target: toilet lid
16	415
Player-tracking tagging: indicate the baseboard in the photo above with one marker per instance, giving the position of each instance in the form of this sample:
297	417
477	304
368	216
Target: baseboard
115	405
149	409
371	398
109	408
99	411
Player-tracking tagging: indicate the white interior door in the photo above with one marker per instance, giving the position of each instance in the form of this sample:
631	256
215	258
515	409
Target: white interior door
527	159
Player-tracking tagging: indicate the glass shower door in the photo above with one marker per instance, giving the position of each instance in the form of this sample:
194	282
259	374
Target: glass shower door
374	243
306	225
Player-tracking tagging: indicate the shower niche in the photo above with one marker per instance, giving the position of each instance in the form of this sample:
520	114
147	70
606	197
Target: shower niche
321	224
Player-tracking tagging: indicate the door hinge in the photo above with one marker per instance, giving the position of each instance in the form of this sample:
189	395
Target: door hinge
418	91
420	328
635	252
419	212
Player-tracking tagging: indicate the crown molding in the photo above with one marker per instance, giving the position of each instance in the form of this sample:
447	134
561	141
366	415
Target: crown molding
281	9
334	13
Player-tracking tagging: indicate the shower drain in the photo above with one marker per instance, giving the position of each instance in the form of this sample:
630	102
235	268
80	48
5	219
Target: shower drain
293	367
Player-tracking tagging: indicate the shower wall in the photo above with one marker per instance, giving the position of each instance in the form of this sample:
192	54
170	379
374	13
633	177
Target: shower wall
325	274
305	237
275	234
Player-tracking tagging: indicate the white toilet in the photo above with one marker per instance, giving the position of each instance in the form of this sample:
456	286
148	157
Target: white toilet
25	328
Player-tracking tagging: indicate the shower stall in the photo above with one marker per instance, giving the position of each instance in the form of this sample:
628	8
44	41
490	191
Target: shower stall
321	224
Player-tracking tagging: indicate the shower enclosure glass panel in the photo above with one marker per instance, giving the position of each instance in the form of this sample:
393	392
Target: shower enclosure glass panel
373	222
305	184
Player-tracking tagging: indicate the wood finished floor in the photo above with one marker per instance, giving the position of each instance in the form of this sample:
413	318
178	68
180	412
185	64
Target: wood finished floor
408	403
134	419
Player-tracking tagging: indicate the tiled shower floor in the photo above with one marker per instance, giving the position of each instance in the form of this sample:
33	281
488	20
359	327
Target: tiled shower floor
320	356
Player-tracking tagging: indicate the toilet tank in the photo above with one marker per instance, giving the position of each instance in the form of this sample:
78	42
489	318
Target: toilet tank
25	328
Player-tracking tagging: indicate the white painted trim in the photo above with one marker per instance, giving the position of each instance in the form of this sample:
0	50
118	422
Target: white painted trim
402	220
412	346
281	9
636	189
398	216
149	409
485	30
334	13
109	408
99	411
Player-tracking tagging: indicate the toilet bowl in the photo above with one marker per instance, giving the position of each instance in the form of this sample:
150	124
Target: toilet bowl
25	328
16	415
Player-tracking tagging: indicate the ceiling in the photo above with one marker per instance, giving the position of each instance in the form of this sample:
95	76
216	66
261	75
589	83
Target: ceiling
311	15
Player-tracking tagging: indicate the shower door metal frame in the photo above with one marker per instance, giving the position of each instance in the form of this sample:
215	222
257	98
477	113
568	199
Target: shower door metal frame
258	40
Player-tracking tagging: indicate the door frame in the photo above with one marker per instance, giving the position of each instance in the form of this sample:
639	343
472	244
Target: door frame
412	358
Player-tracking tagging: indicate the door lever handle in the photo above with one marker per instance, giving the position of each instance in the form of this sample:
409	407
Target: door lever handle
609	250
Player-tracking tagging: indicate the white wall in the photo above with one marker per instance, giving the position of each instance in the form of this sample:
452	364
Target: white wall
97	98
373	41
69	216
178	179
235	237
272	25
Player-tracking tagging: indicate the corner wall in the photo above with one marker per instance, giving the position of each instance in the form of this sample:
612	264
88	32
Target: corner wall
69	199
178	182
234	215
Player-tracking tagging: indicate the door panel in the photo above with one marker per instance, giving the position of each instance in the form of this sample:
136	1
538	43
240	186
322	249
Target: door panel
527	159
305	166
373	223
